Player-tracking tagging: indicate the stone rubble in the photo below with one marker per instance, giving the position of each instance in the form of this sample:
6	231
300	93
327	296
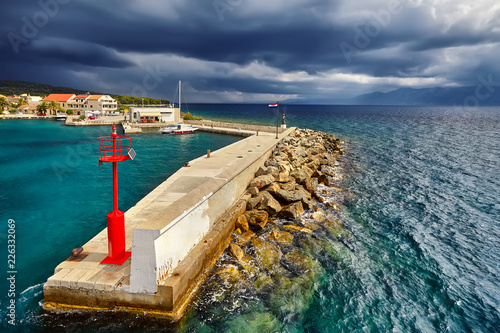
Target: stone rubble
277	239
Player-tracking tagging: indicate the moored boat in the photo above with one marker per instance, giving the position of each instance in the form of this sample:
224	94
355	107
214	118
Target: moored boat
61	116
179	129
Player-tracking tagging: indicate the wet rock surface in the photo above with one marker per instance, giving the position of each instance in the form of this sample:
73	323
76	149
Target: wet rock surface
291	231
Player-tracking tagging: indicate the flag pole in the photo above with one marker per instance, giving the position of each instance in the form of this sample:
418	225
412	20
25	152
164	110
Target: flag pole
277	117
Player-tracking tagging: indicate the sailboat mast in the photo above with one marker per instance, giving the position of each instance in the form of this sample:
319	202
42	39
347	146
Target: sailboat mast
179	96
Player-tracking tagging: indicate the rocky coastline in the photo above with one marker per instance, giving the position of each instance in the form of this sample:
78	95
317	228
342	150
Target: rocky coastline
290	231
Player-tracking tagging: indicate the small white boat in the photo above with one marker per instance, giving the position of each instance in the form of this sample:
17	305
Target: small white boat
61	116
179	129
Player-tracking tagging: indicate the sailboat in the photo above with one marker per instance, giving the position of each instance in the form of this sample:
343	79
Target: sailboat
180	128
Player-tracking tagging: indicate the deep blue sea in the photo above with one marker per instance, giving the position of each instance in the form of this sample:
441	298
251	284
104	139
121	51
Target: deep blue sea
425	219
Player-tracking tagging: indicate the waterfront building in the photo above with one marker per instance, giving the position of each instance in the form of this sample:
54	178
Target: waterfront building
153	114
81	103
62	99
103	103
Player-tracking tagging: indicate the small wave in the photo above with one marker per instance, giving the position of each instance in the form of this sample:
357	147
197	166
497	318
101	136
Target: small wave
32	289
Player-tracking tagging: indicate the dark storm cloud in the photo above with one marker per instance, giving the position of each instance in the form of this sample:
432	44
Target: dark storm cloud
253	48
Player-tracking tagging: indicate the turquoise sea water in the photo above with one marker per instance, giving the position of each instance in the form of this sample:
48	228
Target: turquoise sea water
425	219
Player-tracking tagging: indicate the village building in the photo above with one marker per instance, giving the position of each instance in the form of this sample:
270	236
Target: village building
61	99
82	103
103	103
31	100
153	114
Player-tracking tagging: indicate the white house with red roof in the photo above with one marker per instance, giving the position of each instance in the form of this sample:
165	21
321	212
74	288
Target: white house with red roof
103	103
81	103
62	99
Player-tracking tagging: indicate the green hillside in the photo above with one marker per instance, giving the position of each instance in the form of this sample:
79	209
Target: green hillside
39	89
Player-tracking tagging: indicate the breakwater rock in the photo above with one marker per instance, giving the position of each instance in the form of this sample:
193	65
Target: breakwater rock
290	231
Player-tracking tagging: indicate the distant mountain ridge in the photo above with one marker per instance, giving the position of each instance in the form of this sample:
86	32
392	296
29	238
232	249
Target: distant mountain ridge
468	96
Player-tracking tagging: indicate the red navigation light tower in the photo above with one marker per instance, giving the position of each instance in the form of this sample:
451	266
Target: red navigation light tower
115	149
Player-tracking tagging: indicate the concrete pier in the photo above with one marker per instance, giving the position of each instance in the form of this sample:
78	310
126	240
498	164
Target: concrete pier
175	234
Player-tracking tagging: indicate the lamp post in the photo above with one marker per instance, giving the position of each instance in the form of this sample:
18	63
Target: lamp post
115	149
277	117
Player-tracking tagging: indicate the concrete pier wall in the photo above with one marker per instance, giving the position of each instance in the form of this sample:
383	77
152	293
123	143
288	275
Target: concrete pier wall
174	241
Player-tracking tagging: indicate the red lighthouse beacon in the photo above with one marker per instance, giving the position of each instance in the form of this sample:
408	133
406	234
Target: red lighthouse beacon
115	149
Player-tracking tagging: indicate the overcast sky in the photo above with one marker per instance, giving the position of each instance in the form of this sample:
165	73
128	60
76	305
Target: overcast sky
312	51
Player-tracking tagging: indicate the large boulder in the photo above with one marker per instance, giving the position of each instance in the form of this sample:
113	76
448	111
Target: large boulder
290	185
253	191
283	177
292	210
244	238
262	181
289	196
311	184
285	167
273	171
229	275
236	251
261	171
271	188
257	218
269	204
248	265
241	223
271	162
299	176
328	170
255	201
309	172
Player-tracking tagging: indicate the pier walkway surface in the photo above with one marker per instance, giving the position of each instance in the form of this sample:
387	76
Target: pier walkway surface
175	234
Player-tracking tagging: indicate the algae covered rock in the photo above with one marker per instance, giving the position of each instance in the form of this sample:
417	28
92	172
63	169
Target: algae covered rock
293	296
248	265
335	227
300	263
263	283
254	322
266	253
229	274
283	238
